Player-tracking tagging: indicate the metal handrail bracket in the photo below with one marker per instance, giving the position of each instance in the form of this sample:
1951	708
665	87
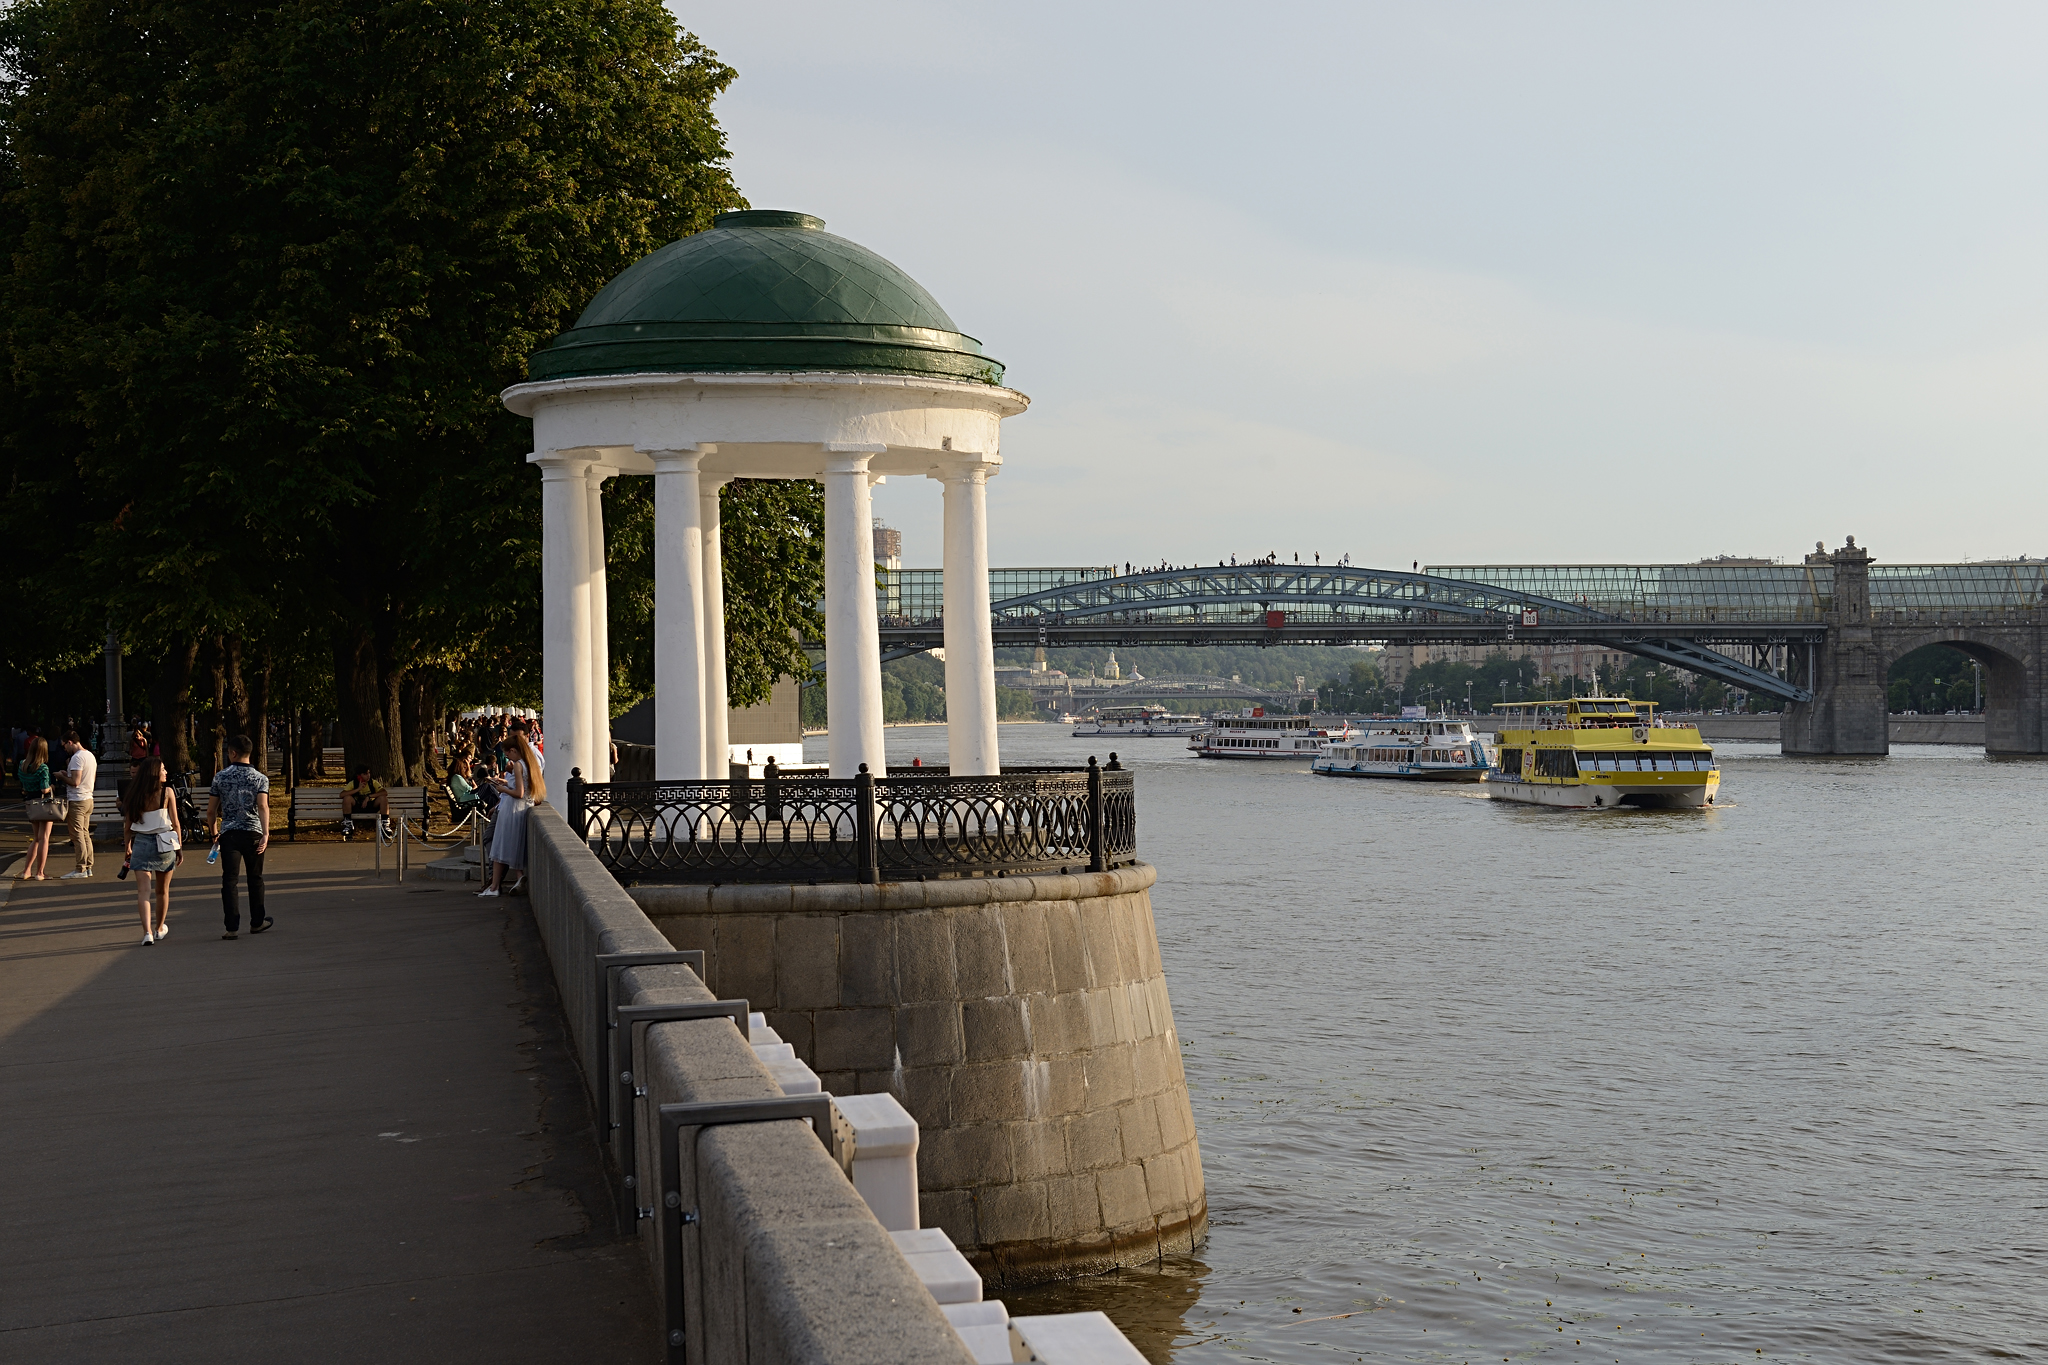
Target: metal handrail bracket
634	1018
608	967
708	1114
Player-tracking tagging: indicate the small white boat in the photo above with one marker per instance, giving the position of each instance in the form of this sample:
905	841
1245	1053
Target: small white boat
1138	721
1254	734
1418	750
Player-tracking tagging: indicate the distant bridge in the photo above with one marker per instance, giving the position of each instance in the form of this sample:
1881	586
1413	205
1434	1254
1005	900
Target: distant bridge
1832	625
1318	605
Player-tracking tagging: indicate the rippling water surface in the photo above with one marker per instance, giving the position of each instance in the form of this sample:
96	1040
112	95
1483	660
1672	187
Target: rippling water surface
1477	1081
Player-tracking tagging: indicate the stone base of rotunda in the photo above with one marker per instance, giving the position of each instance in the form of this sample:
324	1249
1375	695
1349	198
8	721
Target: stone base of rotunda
1023	1021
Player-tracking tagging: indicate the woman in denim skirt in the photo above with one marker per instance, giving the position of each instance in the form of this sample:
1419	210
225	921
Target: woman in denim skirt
151	823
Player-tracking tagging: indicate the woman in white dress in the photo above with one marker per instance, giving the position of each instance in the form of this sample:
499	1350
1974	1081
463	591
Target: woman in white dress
519	787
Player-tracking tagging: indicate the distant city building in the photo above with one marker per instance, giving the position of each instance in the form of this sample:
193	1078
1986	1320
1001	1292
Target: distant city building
888	546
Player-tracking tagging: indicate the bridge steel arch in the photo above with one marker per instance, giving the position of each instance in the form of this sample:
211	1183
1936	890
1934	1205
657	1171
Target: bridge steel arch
1333	604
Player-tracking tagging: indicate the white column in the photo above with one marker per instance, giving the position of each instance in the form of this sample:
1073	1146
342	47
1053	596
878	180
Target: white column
970	639
599	769
565	615
678	617
853	649
717	747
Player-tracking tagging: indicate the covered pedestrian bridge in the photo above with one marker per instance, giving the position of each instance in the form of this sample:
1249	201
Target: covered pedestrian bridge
1819	635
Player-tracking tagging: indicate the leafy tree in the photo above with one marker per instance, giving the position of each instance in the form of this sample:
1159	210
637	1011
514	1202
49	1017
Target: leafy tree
272	268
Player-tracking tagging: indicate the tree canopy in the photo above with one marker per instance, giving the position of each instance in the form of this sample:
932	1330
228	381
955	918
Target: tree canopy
268	271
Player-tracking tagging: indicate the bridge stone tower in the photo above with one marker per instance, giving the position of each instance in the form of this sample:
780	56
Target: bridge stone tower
1847	714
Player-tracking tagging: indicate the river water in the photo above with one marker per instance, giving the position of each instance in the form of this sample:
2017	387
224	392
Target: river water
1484	1082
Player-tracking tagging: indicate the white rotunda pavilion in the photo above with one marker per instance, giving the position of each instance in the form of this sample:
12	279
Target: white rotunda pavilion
763	348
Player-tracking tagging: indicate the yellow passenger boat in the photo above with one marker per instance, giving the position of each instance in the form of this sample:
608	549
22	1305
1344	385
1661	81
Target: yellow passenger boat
1600	752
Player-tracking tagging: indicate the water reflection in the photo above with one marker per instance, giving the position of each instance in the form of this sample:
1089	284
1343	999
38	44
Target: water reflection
1152	1304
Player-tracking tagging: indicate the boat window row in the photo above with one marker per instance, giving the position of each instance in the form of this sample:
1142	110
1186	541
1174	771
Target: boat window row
1568	763
1689	761
1226	742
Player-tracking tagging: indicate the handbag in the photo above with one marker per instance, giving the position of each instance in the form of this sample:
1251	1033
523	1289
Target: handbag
48	807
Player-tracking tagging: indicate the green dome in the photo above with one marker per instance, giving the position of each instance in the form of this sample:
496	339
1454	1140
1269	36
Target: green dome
763	291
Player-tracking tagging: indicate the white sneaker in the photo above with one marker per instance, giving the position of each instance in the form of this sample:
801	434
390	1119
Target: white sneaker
163	932
148	941
485	892
73	876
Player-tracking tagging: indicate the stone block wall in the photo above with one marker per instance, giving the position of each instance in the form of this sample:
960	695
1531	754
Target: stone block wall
1023	1021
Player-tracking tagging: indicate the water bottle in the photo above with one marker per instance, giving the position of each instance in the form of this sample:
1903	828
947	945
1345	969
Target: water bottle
213	854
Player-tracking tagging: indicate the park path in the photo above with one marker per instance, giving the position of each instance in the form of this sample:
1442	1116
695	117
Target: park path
358	1137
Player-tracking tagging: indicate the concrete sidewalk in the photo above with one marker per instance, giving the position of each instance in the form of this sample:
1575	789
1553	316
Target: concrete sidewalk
358	1137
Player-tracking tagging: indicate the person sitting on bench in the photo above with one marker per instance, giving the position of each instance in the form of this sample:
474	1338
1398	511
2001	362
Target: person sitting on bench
362	796
462	797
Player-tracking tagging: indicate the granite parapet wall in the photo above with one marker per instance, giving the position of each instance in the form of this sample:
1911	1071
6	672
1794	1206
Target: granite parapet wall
1023	1021
785	1262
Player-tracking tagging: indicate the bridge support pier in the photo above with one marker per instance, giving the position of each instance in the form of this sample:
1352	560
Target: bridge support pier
1846	673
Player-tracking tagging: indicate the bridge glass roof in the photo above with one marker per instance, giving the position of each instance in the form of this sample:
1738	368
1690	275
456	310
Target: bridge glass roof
909	596
1774	592
1724	594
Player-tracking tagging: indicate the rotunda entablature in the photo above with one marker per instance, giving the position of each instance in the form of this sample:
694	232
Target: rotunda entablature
767	425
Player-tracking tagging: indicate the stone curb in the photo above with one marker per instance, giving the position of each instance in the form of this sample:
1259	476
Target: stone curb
847	898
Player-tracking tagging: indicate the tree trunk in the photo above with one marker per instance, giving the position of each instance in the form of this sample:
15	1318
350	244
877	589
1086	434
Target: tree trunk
392	686
214	682
170	704
309	746
256	707
367	705
411	697
234	711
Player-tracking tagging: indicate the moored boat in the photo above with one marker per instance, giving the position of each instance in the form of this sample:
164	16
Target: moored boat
1139	721
1416	750
1254	734
1600	752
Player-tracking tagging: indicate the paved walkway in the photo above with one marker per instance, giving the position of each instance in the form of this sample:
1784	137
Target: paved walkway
359	1137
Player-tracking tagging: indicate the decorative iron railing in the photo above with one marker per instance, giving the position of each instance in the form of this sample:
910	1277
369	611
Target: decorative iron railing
912	824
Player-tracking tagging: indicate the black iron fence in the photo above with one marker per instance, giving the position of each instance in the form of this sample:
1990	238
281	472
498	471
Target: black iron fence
911	824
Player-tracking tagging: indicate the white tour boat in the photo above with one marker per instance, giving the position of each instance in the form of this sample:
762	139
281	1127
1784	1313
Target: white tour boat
1419	750
1138	721
1254	734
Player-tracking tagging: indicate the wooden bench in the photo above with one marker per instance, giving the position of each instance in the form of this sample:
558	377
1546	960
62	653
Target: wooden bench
317	805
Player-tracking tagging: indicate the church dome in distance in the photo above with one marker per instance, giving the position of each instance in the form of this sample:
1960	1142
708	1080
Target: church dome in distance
763	291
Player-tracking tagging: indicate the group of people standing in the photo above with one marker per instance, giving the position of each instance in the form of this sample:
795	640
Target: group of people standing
518	779
67	801
505	750
153	833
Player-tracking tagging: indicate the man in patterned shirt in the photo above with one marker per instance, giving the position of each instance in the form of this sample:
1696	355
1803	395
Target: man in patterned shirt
238	811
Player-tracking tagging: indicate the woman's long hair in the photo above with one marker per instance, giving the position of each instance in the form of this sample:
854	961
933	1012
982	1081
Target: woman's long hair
147	787
536	785
38	753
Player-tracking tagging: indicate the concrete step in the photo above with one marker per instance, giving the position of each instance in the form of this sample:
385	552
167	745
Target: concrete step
472	854
451	870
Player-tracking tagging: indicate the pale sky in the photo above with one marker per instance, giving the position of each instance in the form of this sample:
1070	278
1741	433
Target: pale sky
1458	283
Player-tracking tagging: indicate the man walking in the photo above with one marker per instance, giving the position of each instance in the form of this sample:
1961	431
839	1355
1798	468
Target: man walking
79	776
238	811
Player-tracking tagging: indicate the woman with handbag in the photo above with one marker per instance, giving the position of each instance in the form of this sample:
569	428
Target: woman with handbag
44	810
150	820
